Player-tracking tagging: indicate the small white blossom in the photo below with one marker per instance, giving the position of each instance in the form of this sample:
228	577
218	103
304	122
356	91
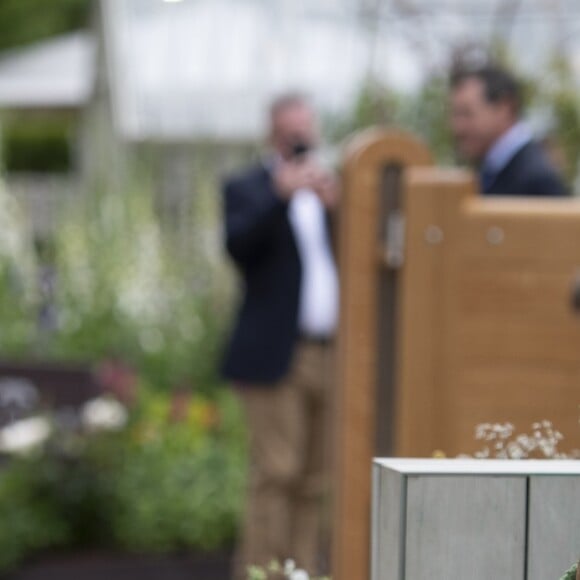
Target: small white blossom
299	575
515	451
289	567
543	441
25	435
103	414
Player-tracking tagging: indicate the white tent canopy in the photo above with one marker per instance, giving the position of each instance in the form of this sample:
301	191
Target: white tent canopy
53	74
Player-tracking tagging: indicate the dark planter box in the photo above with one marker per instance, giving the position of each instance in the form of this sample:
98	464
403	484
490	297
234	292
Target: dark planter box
49	385
58	383
213	566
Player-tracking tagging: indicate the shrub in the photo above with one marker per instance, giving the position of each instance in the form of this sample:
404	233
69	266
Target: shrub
156	485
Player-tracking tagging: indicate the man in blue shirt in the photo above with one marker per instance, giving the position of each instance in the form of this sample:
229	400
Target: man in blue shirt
486	121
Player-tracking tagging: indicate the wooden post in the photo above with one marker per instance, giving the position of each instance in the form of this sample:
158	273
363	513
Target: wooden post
361	255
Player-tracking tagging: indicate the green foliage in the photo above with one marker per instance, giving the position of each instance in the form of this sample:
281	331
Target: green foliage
159	485
423	113
122	289
30	519
26	21
18	283
559	94
571	574
41	146
195	497
375	105
426	115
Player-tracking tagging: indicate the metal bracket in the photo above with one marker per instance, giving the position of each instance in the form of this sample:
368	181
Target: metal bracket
395	239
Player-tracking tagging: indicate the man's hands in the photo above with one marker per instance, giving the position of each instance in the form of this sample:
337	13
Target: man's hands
290	176
328	190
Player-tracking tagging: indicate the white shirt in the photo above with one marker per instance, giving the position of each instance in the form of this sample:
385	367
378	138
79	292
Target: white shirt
319	291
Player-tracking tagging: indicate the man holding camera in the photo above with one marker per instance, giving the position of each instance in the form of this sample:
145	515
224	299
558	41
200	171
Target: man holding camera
277	216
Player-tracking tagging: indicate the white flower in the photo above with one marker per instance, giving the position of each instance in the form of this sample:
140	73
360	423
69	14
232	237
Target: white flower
19	393
515	451
103	414
289	567
543	439
299	575
25	435
482	430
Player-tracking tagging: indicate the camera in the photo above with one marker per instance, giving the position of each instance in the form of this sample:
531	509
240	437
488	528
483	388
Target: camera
299	150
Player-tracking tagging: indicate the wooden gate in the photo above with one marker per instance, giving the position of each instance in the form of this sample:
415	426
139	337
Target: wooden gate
457	310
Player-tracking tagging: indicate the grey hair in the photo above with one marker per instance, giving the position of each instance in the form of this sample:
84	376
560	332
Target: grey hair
288	100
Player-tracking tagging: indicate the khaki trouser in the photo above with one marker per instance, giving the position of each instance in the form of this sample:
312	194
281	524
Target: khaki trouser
289	444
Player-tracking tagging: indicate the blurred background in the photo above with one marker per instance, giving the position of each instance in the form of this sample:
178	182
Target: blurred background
118	119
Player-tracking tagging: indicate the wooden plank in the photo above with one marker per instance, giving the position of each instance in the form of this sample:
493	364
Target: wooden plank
466	527
419	291
554	527
506	345
493	287
425	355
516	393
512	330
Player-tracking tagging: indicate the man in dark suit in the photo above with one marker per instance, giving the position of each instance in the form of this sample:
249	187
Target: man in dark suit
486	109
276	224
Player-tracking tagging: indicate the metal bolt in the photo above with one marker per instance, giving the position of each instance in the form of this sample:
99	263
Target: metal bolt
434	235
495	236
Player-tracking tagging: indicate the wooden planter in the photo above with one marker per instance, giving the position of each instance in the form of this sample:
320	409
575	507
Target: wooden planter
212	566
